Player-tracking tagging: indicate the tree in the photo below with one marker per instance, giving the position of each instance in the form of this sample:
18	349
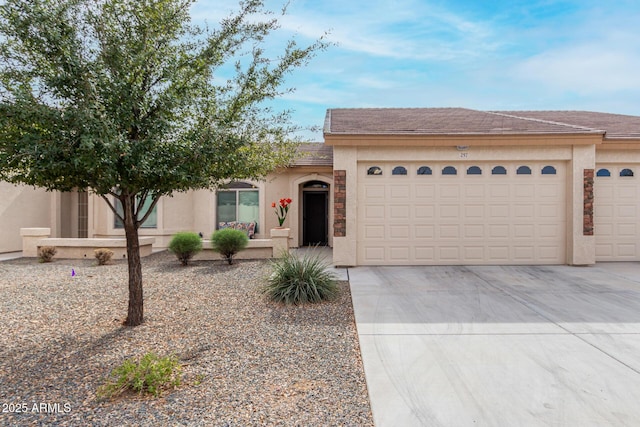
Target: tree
127	99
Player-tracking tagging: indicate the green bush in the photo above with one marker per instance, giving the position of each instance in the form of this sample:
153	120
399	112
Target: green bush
185	245
151	374
229	242
296	280
46	253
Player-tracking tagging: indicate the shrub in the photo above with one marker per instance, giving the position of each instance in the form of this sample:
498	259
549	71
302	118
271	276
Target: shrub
151	374
46	253
103	255
229	242
298	280
185	245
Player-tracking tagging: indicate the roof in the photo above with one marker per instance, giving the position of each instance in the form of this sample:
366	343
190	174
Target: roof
462	121
314	154
615	125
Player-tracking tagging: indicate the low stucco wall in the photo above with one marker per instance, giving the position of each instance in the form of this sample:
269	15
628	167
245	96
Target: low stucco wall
34	238
84	248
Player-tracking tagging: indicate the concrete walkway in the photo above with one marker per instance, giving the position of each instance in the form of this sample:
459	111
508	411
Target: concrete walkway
500	346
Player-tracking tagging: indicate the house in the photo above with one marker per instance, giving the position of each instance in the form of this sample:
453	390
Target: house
424	186
459	186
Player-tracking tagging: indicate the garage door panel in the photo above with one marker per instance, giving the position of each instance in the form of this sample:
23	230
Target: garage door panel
551	211
449	253
449	191
425	253
548	252
374	192
450	231
499	191
498	231
474	254
524	191
399	231
499	211
374	211
524	231
425	231
399	212
524	211
474	191
424	211
424	191
399	192
450	212
548	231
374	231
462	219
497	253
474	231
474	210
549	191
374	253
523	253
627	192
398	253
616	215
626	211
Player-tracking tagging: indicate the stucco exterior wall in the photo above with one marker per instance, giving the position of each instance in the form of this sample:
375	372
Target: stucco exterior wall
196	210
21	207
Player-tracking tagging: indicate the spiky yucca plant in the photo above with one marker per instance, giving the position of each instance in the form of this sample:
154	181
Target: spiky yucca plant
298	280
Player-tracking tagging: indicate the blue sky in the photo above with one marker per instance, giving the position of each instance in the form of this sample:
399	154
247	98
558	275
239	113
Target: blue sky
480	54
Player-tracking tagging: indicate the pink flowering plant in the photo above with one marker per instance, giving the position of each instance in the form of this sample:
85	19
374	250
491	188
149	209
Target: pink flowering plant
282	208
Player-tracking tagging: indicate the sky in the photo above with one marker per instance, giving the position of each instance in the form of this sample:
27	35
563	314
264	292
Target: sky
478	54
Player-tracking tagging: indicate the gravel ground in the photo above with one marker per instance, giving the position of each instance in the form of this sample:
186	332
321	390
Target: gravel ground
247	361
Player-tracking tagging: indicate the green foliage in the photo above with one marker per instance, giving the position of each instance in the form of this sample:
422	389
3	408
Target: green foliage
229	242
126	99
296	280
46	253
151	374
185	245
103	255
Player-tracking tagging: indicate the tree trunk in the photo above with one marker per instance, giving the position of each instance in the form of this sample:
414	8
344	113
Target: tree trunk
135	311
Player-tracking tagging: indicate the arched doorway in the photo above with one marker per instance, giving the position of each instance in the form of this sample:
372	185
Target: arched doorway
315	213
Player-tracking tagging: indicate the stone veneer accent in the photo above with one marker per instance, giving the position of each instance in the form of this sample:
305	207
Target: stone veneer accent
339	203
587	228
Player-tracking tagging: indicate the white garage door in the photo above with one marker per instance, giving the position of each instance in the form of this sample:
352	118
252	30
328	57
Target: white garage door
616	211
481	213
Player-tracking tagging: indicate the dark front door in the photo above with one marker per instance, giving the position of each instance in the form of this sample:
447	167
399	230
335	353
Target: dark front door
314	216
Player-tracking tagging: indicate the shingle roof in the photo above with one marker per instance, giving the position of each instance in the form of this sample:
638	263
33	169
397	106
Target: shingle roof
615	125
461	121
315	154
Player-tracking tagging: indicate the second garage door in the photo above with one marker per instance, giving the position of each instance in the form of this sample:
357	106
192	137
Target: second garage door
617	213
481	213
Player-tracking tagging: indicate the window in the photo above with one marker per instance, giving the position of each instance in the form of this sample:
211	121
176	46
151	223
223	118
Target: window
449	170
548	170
374	170
239	201
316	185
424	170
626	172
524	170
399	170
150	222
499	170
474	170
603	172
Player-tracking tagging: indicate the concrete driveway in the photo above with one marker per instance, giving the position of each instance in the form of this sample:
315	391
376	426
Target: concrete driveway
500	346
